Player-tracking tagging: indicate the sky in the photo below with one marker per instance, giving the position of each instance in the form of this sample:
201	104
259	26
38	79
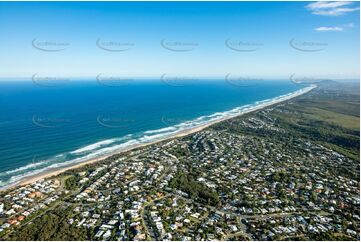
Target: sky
202	39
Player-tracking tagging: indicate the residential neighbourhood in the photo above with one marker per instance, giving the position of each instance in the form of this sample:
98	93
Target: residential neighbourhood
227	182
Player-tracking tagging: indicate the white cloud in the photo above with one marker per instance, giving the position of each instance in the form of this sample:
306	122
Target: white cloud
327	29
335	28
320	5
331	8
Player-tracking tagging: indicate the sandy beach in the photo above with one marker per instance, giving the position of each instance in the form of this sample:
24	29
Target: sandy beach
57	171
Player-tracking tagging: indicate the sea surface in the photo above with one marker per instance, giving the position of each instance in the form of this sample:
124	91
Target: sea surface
50	125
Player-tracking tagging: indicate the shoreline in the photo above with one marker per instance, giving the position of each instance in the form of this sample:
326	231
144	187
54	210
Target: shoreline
57	171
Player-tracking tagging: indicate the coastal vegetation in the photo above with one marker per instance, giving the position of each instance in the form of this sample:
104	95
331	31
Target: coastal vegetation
72	182
51	226
186	182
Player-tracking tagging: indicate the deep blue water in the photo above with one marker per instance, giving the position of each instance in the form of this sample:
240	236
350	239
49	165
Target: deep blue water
42	126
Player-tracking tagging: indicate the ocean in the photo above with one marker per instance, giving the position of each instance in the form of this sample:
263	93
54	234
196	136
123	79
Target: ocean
54	124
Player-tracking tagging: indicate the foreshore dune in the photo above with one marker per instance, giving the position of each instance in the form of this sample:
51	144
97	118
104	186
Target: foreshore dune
57	171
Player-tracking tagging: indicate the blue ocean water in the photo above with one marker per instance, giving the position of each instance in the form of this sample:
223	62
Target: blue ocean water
48	126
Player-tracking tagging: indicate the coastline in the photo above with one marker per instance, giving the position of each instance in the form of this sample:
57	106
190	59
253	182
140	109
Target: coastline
56	171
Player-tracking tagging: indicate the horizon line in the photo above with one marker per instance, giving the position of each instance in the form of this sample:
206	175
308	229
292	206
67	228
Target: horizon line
184	77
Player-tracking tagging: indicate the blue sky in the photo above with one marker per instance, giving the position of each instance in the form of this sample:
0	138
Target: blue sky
206	39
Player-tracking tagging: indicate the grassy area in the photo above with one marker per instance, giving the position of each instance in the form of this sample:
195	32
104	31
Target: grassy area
335	118
329	115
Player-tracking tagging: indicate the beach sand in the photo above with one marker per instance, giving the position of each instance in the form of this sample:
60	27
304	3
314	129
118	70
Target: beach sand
57	171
